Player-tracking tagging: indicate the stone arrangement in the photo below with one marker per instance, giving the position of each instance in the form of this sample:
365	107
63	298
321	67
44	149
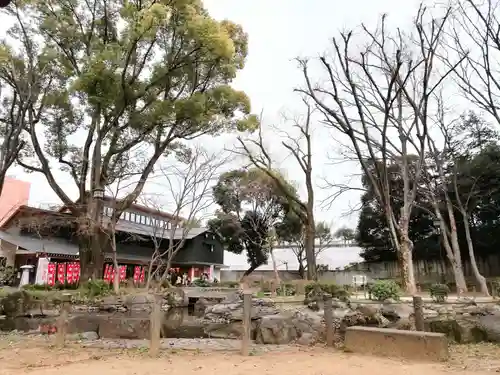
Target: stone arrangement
128	317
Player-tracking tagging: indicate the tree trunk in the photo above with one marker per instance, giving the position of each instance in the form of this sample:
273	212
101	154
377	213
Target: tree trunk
309	249
116	279
453	249
407	272
302	271
481	281
275	268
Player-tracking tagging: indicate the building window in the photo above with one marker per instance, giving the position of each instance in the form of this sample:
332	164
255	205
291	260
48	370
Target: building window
132	217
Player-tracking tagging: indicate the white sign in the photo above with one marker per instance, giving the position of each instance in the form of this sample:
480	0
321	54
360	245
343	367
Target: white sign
42	271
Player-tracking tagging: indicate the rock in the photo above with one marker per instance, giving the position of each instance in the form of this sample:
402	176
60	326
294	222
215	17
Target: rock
428	313
18	303
396	311
466	300
307	339
234	311
84	323
276	329
462	331
286	327
124	328
232	330
338	304
490	324
84	336
111	303
200	307
139	304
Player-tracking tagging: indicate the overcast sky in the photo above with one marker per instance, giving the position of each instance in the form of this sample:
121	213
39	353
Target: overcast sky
279	31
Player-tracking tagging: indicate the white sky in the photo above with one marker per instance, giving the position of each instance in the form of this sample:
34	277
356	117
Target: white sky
279	31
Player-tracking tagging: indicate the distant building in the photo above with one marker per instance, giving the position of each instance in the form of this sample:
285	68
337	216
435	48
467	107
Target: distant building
24	240
15	193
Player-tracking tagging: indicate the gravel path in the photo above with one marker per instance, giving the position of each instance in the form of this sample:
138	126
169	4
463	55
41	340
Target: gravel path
184	344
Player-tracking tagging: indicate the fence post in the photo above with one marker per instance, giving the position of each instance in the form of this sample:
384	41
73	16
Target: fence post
62	321
328	311
418	307
155	326
247	322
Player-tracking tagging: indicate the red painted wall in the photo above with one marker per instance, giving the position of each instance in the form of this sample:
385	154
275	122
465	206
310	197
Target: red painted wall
15	193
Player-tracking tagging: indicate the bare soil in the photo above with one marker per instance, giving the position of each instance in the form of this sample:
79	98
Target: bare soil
37	356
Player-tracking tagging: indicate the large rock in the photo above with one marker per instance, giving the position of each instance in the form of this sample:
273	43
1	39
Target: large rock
124	328
396	311
462	331
289	326
230	330
490	324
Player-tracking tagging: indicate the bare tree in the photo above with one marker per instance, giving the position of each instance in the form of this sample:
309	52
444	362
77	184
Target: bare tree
110	218
295	240
380	100
475	39
299	145
188	189
441	202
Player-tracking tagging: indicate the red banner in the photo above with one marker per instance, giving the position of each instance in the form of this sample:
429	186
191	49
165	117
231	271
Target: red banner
76	272
137	274
61	273
141	279
123	273
51	274
69	274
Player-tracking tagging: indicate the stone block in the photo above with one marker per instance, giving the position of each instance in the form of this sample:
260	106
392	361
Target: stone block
415	345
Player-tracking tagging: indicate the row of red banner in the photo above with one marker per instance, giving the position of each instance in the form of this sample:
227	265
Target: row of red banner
67	273
109	273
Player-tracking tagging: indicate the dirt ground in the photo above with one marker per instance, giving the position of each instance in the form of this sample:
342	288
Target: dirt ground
39	357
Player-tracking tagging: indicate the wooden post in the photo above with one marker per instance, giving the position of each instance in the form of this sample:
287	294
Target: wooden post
273	288
155	326
247	322
62	321
418	307
328	311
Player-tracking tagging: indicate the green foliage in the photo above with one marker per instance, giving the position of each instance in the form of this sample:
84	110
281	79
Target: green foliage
96	288
115	78
286	290
201	283
318	289
7	274
385	289
251	204
439	292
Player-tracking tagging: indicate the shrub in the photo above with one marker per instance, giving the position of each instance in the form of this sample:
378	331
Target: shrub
439	292
285	290
201	283
229	284
385	289
317	289
96	288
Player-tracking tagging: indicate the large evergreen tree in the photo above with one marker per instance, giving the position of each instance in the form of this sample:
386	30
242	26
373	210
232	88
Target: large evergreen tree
112	86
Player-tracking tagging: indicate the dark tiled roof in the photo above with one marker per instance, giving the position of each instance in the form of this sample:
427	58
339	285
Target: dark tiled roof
38	245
